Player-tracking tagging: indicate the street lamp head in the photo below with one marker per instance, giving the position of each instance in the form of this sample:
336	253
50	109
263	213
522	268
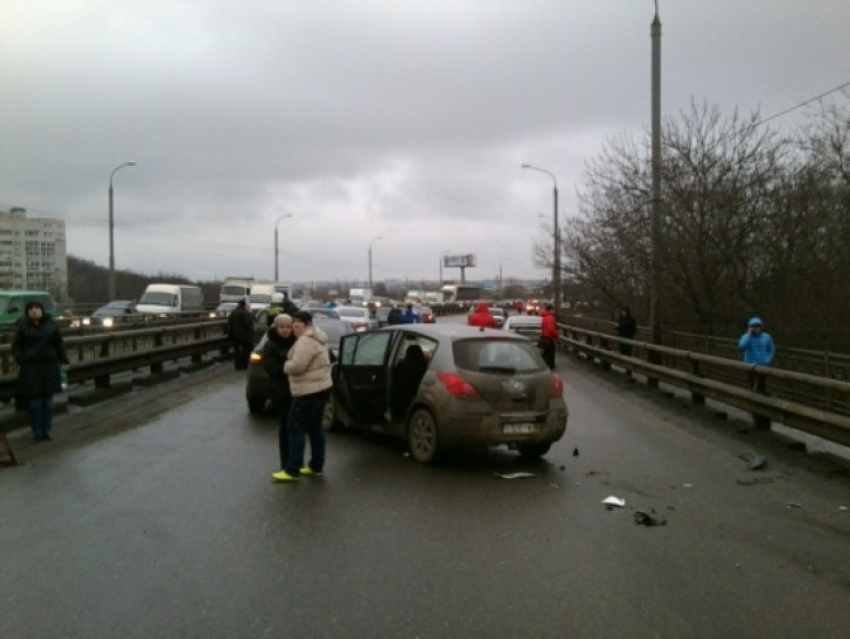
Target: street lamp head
131	163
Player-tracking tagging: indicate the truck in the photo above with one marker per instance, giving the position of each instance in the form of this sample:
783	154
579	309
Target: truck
415	295
434	297
170	299
235	288
360	296
262	294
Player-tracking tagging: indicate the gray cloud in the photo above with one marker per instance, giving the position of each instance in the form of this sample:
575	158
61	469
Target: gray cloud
402	120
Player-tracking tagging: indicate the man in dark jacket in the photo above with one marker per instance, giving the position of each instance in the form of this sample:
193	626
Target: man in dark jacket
626	327
240	329
395	316
39	352
280	339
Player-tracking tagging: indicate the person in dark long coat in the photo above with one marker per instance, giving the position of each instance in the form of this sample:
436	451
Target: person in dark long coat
39	352
240	329
280	339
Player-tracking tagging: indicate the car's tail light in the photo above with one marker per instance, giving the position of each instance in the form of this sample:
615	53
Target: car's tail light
256	357
458	386
557	386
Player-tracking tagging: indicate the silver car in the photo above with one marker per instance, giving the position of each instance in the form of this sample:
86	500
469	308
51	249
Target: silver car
444	386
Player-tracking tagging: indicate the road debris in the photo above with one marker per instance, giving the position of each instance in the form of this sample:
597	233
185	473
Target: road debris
754	461
612	501
514	475
755	481
643	518
793	504
575	452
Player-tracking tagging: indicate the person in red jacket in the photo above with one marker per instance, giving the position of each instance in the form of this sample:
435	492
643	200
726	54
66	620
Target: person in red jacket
548	335
482	317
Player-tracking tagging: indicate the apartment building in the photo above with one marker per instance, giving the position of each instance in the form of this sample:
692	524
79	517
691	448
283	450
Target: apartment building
33	253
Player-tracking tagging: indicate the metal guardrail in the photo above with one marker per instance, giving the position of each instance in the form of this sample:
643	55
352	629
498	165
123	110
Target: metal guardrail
822	408
99	356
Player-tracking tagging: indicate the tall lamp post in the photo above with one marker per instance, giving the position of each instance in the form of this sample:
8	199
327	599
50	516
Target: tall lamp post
112	231
501	285
655	227
556	266
282	217
371	242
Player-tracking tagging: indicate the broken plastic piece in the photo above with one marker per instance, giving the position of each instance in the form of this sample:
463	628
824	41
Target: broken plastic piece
614	501
754	461
645	519
514	475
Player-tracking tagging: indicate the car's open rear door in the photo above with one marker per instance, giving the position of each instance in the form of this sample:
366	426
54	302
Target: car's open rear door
361	376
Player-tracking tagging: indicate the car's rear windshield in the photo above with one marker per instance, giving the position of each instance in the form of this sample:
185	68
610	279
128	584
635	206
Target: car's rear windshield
497	355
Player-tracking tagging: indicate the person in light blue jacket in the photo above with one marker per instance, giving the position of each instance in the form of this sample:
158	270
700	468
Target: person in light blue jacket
757	348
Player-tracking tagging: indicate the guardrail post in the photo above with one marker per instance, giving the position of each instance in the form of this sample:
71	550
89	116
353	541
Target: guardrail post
696	398
156	367
102	381
197	358
603	342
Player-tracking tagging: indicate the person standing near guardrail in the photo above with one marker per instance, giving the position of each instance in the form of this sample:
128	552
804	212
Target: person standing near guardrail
39	352
240	330
279	341
548	335
626	327
757	348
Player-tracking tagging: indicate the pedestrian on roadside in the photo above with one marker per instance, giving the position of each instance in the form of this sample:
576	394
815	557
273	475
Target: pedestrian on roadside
548	335
626	327
482	317
39	353
411	316
757	348
395	316
240	330
288	305
308	366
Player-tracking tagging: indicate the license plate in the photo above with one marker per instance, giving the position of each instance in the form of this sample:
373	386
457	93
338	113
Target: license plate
523	428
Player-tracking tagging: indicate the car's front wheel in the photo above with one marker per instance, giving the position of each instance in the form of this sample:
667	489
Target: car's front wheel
534	451
256	404
422	436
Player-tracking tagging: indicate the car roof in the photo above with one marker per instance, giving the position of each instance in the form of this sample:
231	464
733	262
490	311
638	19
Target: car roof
453	331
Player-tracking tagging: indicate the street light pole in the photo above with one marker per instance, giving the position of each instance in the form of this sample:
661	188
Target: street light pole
282	217
556	264
372	241
501	284
112	231
655	228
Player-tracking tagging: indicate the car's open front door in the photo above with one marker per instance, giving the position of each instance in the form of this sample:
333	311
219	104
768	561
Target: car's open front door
361	381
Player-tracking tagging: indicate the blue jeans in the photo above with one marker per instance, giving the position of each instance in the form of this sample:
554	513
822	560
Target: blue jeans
41	414
305	421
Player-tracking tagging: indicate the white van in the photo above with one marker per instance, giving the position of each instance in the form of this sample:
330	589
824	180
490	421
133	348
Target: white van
168	299
261	295
235	288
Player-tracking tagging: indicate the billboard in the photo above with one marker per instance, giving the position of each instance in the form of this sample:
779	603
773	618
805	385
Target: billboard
458	261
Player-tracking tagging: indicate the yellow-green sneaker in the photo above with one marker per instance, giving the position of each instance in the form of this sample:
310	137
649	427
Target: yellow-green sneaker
284	476
309	471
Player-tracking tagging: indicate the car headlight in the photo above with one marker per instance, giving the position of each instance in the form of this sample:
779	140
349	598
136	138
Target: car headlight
108	321
256	357
86	321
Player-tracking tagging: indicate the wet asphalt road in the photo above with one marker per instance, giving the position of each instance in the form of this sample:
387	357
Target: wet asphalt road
158	518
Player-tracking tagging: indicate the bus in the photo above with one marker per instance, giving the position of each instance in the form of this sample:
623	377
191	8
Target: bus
459	293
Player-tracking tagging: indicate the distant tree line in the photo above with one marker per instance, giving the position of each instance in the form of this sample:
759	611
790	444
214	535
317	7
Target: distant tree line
88	283
755	223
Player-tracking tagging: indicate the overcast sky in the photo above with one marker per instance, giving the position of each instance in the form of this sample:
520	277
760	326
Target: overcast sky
407	120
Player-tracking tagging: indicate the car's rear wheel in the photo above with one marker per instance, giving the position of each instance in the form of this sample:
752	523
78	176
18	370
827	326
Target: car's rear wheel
256	404
422	436
534	451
